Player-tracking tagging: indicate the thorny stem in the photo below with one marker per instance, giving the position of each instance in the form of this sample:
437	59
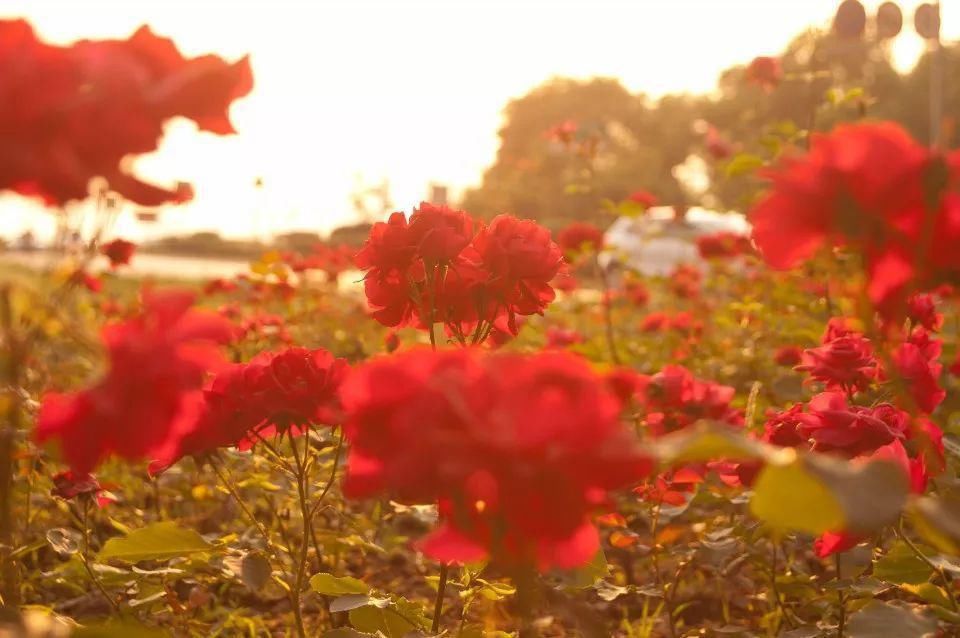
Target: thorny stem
438	603
85	556
947	582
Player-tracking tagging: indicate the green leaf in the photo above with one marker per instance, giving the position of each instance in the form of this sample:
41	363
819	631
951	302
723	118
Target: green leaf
815	493
743	164
938	521
788	497
330	585
586	576
930	593
352	601
888	620
707	441
255	570
871	494
395	617
159	541
345	632
900	566
64	541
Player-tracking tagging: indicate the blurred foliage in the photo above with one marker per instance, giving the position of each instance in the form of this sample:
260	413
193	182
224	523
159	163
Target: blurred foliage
625	142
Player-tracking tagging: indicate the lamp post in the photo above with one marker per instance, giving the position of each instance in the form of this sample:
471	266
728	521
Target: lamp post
850	21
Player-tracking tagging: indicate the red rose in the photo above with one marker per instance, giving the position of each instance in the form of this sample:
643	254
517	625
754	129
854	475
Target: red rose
158	360
275	393
70	485
562	337
922	311
685	281
788	355
518	450
765	72
119	252
835	426
845	363
644	198
74	113
674	399
580	238
636	292
519	260
916	364
439	232
873	188
723	245
783	429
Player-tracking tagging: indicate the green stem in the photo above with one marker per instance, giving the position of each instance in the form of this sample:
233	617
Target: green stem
10	590
841	600
438	603
85	556
303	498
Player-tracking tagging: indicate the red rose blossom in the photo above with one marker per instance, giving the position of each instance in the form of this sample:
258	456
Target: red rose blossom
765	72
788	355
518	450
580	238
845	363
119	252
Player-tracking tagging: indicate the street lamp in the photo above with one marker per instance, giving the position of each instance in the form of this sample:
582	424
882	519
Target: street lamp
849	23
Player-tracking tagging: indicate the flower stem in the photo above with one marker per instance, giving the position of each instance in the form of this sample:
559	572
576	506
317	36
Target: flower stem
841	600
438	603
85	557
303	498
608	313
9	580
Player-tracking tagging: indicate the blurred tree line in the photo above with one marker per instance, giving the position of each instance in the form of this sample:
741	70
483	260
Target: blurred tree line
619	142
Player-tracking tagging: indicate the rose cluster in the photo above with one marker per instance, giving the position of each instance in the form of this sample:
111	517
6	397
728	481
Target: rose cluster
71	114
274	393
517	450
723	245
441	266
830	424
674	399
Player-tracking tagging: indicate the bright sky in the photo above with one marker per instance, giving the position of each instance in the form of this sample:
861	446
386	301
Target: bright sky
409	90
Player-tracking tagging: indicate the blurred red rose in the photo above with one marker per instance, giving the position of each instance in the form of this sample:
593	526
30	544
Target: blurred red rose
518	450
765	72
71	114
119	252
644	198
916	362
788	355
580	238
157	363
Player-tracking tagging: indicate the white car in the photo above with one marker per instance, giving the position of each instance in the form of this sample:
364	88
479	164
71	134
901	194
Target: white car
655	243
